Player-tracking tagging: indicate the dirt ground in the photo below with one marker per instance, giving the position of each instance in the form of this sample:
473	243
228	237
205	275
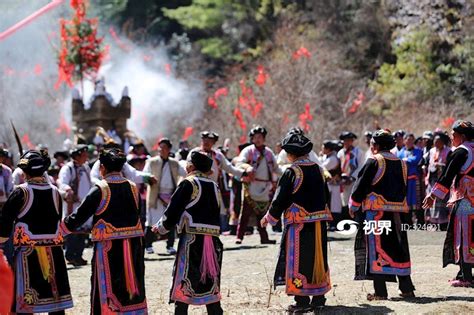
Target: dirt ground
248	269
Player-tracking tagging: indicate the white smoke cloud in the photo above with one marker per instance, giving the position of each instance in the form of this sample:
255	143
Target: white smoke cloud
28	72
158	96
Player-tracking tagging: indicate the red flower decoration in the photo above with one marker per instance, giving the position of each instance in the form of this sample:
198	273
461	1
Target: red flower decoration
81	51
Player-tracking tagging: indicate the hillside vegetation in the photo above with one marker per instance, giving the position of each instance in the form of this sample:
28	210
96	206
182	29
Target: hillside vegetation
325	65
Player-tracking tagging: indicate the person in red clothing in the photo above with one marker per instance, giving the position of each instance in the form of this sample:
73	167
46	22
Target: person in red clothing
6	285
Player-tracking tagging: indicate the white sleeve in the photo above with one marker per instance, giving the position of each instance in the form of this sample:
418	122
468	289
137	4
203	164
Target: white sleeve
129	172
242	158
282	158
228	167
9	182
182	170
313	157
330	163
95	173
17	177
147	167
64	178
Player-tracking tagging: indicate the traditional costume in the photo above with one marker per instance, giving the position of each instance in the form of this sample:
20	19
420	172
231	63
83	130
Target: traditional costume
220	165
6	181
352	159
282	157
75	177
195	208
381	247
236	201
167	173
399	141
301	197
332	164
34	212
257	194
130	173
439	212
412	157
6	187
6	285
117	282
458	176
219	161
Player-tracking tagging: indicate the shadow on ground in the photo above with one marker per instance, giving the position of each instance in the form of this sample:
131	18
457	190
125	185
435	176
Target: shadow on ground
429	300
360	309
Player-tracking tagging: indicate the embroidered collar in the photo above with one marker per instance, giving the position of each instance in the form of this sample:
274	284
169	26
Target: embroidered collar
197	174
114	178
37	181
302	161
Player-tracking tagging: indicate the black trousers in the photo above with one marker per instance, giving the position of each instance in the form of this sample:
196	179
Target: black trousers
74	245
181	308
318	300
150	237
404	284
418	216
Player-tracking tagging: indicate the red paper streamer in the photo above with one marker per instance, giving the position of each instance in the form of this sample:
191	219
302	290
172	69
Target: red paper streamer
240	119
38	70
212	100
118	41
168	68
262	76
63	126
305	117
301	52
30	18
221	92
448	122
187	133
248	101
26	140
357	103
256	109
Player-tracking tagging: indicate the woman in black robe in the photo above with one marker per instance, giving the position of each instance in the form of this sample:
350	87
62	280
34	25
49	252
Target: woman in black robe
302	197
118	268
195	209
379	199
33	211
458	180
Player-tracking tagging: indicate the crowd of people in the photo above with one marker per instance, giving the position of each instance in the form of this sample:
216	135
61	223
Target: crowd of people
114	195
